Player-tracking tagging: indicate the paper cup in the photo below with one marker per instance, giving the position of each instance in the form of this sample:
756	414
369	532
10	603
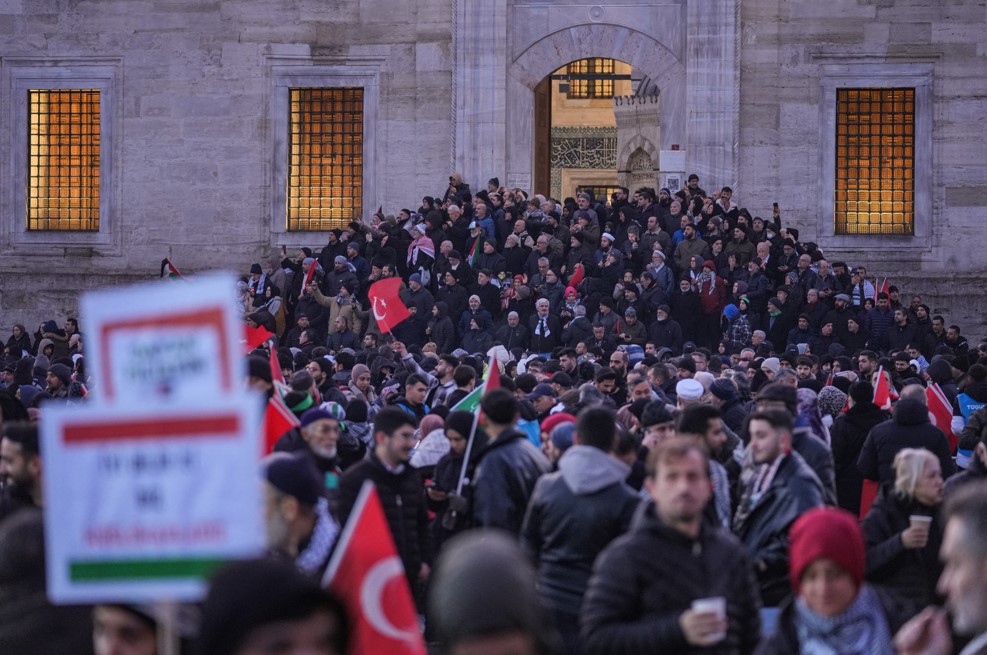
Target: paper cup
718	606
919	521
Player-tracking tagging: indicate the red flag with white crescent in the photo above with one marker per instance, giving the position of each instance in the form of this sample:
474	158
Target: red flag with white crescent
366	573
882	391
941	414
386	304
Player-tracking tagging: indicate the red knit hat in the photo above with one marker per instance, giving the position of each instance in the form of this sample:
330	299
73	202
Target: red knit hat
556	419
830	533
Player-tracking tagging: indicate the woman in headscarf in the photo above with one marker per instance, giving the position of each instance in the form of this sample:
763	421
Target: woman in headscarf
809	418
903	529
833	611
421	254
360	385
432	445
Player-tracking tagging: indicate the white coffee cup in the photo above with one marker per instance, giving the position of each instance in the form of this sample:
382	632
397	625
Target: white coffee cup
920	521
718	606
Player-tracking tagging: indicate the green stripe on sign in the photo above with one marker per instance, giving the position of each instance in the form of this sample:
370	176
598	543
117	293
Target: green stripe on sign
142	569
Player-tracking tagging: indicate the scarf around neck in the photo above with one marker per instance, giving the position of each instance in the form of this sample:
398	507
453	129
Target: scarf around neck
861	629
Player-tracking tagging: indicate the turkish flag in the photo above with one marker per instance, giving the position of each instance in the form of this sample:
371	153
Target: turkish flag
366	573
882	392
386	304
940	413
278	419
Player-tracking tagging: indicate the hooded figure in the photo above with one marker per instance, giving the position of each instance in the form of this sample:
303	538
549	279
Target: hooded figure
442	331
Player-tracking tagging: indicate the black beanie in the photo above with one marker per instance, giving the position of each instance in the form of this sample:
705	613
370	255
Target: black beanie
356	411
259	368
294	474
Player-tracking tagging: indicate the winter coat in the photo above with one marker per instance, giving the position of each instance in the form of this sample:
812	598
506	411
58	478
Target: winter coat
819	457
666	334
687	249
646	579
794	489
402	497
911	573
512	337
847	436
443	331
506	473
686	312
909	427
713	297
572	516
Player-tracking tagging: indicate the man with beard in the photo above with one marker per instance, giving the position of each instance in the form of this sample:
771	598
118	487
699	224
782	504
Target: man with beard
641	596
399	488
20	469
296	512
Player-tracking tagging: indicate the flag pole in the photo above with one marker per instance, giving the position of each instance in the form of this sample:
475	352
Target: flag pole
466	454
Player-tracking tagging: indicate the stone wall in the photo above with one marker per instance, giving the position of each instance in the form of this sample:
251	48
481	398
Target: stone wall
194	132
787	49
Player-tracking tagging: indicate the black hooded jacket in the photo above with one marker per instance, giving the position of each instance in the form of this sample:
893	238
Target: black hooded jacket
849	431
443	329
909	427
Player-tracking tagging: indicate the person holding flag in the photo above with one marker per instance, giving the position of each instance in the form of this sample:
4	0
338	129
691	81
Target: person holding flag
509	465
399	487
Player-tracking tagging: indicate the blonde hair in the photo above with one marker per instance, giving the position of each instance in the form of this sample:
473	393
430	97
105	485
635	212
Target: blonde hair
909	464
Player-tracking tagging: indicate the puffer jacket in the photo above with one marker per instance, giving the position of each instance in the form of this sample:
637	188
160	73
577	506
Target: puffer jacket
819	458
403	498
794	490
909	427
573	514
910	573
506	474
645	579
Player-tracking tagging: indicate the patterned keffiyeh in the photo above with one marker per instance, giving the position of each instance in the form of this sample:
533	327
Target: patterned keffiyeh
861	629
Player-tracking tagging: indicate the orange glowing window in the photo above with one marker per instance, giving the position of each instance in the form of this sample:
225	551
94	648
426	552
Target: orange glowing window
325	158
590	78
875	161
63	160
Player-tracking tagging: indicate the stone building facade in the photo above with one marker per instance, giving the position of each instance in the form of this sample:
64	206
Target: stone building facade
194	110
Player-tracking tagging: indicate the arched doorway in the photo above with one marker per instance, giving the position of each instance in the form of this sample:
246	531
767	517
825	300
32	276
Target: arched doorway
528	89
576	136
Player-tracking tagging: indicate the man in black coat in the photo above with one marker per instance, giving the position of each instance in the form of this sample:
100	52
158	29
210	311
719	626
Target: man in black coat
640	596
573	514
778	491
399	487
909	427
508	468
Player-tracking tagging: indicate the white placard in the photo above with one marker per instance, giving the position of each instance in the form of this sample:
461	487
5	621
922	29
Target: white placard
143	504
163	342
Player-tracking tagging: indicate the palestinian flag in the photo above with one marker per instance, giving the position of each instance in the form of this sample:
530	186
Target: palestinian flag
471	403
475	251
169	271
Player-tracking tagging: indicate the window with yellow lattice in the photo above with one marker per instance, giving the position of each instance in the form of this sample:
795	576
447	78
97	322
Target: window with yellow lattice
63	176
875	161
590	78
325	158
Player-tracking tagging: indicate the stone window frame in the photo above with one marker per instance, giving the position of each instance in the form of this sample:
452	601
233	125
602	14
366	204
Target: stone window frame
918	76
18	76
302	72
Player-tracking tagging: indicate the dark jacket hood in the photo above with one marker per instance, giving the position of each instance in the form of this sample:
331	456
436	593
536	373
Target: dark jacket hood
910	412
443	309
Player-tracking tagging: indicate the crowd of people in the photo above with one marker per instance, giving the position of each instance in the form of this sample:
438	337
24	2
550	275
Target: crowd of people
705	436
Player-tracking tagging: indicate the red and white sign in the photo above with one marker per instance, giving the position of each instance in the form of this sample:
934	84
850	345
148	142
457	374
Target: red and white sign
163	342
144	504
